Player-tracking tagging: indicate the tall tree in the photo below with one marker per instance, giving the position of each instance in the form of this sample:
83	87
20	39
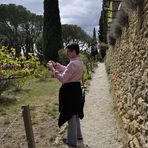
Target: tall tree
52	41
101	27
94	35
19	28
11	17
32	29
74	33
70	33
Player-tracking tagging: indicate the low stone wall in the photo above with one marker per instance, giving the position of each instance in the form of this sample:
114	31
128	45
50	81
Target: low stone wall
127	67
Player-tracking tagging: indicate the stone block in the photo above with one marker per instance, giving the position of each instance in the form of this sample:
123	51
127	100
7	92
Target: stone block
131	144
146	145
136	143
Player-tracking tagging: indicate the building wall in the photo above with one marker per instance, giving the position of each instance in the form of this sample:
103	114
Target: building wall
127	67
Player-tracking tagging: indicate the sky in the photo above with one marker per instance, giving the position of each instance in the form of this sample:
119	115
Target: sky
84	13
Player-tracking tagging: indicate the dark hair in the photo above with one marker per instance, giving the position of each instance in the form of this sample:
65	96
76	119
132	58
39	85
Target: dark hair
74	47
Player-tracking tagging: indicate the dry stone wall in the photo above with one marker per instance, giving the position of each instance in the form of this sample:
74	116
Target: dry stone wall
127	67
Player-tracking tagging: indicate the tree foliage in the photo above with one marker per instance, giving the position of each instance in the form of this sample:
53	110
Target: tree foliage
94	39
39	47
74	33
101	27
19	27
11	66
15	68
52	41
70	33
32	29
94	35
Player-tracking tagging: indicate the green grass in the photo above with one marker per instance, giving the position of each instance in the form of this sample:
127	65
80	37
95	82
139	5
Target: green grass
51	110
40	88
33	93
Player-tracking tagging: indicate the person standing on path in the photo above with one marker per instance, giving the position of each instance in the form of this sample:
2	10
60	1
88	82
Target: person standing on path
70	93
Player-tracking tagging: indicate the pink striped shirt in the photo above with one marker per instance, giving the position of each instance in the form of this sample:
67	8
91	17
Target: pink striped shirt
71	73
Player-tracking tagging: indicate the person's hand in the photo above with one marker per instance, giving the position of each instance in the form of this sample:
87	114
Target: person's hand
54	72
51	64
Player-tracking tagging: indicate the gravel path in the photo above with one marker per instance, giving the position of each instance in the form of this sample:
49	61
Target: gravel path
100	126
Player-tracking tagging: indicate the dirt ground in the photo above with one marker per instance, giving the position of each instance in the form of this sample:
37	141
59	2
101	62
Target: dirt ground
45	129
101	126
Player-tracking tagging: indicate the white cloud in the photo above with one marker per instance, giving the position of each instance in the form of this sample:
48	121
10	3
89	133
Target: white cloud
84	13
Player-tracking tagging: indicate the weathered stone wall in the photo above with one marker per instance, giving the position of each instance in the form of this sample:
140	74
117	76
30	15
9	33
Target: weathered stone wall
127	66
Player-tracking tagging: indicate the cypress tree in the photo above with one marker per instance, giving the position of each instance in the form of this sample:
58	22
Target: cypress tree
94	35
101	27
52	40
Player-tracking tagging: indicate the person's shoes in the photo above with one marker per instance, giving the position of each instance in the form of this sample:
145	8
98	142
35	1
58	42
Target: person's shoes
79	138
66	142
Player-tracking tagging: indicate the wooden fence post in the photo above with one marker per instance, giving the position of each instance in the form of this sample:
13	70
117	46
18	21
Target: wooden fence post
28	126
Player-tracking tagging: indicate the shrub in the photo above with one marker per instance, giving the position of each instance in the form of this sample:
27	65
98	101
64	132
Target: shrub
19	83
42	73
5	85
12	68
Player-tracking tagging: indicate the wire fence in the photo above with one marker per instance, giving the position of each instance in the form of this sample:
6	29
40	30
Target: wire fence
2	136
38	135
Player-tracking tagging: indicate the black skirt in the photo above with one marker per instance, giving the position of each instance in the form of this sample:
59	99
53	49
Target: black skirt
71	102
